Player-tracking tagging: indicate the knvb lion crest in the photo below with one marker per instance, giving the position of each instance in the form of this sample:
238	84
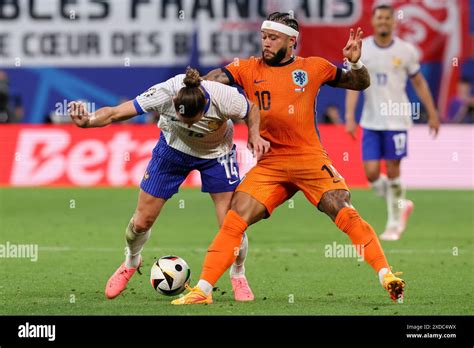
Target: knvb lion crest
300	78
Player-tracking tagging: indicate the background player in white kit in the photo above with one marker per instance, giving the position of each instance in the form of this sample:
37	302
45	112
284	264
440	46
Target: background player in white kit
387	114
196	134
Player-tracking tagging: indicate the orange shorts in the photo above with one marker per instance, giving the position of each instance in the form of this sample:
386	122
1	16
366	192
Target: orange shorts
276	178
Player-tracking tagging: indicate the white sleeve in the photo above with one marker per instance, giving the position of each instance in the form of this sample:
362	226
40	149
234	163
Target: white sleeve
413	64
231	103
157	96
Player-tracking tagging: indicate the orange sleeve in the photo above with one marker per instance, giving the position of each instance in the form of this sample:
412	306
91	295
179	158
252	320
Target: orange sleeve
237	71
326	71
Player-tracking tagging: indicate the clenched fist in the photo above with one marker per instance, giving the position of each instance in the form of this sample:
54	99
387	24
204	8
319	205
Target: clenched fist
79	114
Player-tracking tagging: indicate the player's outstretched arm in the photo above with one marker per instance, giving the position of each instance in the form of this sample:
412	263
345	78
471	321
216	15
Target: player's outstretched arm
358	77
217	75
256	144
102	117
422	90
351	103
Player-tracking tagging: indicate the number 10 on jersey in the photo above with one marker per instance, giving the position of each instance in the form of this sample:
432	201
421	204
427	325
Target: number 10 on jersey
264	100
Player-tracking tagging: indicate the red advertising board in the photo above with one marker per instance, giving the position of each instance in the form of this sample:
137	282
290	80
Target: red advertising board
118	155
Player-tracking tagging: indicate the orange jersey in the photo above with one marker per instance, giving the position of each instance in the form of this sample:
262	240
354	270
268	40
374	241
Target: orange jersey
286	96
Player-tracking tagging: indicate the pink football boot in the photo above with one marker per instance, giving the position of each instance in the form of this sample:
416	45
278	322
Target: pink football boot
242	291
118	281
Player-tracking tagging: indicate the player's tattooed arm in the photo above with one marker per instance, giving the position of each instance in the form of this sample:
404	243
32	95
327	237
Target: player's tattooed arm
357	80
102	117
218	75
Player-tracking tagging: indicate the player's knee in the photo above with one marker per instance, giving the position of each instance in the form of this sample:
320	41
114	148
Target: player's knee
372	176
372	170
141	224
238	205
393	173
333	201
247	207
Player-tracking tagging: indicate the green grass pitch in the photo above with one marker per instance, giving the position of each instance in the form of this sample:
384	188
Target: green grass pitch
80	234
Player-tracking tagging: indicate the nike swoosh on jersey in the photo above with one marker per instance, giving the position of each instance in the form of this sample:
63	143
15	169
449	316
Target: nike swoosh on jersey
233	182
259	81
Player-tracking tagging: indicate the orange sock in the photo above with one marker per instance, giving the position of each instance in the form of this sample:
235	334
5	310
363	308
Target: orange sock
363	237
224	248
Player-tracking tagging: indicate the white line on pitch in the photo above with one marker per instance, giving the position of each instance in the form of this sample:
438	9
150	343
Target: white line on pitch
252	250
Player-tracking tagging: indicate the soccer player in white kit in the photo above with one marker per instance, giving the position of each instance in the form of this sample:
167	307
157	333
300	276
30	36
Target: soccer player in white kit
196	134
387	114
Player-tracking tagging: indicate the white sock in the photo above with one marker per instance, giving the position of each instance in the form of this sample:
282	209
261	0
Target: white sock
380	186
205	286
135	243
238	268
395	202
383	272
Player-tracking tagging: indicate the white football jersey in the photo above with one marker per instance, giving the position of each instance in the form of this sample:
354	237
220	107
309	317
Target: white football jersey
213	135
386	105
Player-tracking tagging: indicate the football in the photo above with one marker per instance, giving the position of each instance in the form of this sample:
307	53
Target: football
169	275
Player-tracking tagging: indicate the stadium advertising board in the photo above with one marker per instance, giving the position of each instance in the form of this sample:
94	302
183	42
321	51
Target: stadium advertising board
118	156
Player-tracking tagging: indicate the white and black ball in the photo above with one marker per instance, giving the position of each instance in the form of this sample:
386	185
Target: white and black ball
169	275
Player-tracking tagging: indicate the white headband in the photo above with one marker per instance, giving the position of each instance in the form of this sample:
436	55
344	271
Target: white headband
282	28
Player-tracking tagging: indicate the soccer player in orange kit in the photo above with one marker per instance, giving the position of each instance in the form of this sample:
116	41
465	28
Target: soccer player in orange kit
285	88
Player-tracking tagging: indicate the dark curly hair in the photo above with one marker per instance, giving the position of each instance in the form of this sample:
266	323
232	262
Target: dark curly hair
284	18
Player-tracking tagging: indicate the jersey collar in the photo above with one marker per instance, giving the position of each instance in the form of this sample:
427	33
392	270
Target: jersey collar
289	61
384	47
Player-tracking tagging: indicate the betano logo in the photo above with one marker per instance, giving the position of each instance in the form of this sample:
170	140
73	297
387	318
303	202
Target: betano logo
37	331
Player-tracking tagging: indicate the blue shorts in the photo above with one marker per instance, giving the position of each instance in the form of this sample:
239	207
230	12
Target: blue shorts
168	168
389	145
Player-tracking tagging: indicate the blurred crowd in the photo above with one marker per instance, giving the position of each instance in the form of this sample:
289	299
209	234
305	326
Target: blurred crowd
460	108
12	111
11	106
